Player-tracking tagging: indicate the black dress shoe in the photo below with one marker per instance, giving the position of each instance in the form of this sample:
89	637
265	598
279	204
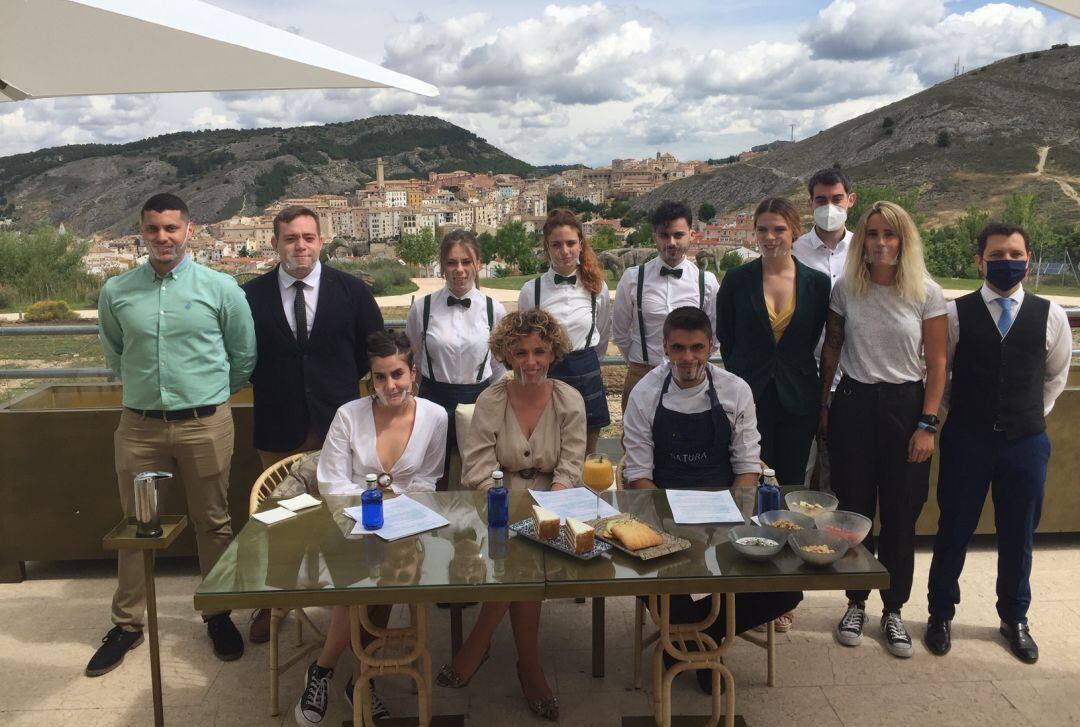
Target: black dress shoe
111	652
228	643
938	636
1020	642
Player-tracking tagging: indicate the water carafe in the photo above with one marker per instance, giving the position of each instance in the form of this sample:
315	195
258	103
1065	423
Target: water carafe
147	517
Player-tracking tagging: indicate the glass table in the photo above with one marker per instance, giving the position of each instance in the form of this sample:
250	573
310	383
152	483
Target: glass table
313	560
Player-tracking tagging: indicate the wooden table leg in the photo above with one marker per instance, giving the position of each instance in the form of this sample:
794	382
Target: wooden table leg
598	628
674	639
392	651
152	627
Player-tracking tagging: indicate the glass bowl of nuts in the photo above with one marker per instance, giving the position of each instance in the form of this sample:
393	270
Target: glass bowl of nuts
810	502
817	547
787	520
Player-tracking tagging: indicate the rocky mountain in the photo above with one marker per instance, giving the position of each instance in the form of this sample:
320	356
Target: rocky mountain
1013	125
100	187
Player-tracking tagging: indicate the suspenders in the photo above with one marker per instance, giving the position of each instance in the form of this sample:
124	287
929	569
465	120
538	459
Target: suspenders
641	311
427	318
536	304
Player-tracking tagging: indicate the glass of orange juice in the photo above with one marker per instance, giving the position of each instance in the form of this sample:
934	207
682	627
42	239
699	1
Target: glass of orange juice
598	475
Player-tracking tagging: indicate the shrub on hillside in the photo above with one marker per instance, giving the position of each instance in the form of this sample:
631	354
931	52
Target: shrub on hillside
45	311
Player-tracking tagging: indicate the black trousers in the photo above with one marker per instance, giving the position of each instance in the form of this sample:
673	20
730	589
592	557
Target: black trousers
785	438
751	609
870	426
1015	474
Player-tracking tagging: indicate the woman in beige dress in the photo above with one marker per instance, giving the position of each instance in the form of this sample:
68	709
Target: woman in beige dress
533	429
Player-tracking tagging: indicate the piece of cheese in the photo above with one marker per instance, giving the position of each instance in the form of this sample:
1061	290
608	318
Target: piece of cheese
547	523
582	537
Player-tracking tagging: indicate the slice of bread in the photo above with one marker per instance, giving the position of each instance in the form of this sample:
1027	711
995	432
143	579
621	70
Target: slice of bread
582	537
636	535
547	523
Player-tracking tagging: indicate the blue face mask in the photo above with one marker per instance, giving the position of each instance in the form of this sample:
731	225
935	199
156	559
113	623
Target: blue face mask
1005	274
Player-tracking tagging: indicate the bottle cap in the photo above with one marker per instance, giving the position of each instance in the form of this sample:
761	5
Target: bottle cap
767	472
497	475
372	481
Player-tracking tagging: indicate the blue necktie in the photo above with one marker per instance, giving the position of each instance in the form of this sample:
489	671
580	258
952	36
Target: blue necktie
1006	319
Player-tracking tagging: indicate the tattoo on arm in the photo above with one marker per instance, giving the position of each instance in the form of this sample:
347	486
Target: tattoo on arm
834	331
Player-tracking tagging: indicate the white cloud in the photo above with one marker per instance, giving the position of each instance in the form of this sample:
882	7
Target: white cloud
591	81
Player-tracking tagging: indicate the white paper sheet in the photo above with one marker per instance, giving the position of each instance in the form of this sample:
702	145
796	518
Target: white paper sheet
692	507
402	517
577	502
269	517
300	502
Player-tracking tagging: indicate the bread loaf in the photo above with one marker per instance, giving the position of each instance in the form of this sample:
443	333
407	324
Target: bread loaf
636	535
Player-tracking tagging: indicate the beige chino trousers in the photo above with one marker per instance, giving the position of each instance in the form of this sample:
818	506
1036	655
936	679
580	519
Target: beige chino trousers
199	451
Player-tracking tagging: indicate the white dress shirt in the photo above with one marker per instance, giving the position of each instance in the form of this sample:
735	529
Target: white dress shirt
734	395
662	294
812	252
311	295
457	338
1058	343
571	305
349	453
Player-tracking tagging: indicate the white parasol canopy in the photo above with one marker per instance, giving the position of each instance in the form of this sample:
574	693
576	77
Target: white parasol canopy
88	47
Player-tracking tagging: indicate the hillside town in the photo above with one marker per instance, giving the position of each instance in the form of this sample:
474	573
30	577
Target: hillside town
371	220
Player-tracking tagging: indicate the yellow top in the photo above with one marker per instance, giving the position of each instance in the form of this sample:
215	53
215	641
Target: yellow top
779	321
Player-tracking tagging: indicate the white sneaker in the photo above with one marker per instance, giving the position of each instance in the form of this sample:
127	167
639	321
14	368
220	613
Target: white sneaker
897	640
849	630
311	708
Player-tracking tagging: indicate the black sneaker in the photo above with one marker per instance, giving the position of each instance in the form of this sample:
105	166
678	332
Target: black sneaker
111	652
897	640
378	709
311	708
228	643
849	630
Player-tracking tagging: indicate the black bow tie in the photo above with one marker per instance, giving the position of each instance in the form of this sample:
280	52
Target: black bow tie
463	302
571	279
673	272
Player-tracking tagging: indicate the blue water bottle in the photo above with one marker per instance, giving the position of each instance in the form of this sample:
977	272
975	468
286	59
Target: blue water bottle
371	504
768	492
498	502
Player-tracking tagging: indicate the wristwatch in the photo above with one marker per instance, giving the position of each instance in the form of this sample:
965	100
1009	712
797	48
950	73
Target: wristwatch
930	419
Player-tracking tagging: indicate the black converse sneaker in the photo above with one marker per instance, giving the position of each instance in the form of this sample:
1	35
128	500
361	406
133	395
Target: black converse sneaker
849	630
378	709
897	640
311	708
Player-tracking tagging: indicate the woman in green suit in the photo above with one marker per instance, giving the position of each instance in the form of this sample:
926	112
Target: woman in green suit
769	317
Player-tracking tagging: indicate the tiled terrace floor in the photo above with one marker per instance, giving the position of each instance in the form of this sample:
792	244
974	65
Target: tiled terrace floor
51	623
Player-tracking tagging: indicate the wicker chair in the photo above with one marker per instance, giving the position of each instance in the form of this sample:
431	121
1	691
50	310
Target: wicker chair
264	485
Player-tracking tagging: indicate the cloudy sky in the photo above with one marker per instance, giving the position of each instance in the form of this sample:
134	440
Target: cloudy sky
567	83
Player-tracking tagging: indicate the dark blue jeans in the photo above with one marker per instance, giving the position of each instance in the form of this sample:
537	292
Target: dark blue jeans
1015	474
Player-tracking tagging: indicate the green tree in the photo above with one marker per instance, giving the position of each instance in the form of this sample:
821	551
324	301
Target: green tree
706	212
872	193
487	244
642	236
418	248
513	245
1023	209
730	260
44	264
604	239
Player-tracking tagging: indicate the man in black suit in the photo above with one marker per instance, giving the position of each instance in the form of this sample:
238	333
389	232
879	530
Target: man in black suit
311	328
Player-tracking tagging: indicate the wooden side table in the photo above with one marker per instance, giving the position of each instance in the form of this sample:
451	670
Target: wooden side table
122	537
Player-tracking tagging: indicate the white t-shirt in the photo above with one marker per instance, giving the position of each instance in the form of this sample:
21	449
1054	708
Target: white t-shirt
734	395
883	332
349	454
571	305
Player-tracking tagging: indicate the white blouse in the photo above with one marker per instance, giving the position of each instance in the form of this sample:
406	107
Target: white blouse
349	451
457	338
571	305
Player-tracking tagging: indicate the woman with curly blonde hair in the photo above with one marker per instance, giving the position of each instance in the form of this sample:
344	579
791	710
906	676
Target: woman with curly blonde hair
885	317
533	429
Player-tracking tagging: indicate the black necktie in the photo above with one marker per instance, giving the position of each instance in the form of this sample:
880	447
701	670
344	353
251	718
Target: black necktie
673	272
300	313
463	302
569	279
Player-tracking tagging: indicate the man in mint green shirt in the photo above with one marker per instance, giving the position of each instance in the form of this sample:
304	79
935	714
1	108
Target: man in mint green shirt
181	339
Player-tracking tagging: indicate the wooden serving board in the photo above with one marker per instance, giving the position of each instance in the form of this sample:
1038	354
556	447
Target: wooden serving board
671	544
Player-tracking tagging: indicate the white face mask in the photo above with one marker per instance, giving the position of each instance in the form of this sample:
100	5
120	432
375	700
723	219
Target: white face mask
829	217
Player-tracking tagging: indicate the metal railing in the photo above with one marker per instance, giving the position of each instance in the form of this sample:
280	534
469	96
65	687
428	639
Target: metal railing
91	329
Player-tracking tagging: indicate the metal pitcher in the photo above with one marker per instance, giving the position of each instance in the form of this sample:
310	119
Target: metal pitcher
147	517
